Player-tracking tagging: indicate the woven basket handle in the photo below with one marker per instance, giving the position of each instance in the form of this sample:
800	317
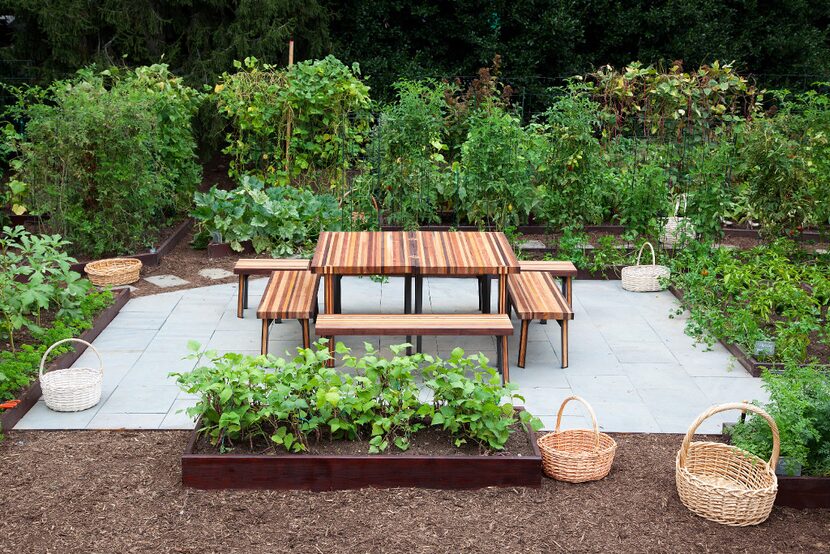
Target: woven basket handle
743	406
46	354
653	255
590	411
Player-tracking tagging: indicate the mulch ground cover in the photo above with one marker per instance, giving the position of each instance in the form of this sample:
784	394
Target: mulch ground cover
120	492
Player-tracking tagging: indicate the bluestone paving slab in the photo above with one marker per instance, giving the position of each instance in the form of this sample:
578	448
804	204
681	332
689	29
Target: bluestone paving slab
141	399
103	420
177	417
632	362
166	281
41	417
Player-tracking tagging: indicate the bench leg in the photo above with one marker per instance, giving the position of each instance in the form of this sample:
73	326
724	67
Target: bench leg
523	342
564	325
407	305
503	364
264	348
306	334
419	307
242	298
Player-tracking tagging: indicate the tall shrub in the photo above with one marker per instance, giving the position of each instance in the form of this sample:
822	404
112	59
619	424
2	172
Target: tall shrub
110	156
326	105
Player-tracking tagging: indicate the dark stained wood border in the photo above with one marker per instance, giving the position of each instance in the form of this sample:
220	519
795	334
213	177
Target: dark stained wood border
803	492
223	249
324	473
153	258
30	396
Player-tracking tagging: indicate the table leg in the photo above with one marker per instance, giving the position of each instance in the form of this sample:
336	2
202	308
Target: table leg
502	294
329	308
407	305
568	285
338	296
419	307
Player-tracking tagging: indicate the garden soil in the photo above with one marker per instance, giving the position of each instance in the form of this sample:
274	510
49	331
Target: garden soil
99	491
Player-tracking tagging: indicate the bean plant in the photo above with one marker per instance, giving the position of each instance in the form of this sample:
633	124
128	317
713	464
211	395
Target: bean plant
295	404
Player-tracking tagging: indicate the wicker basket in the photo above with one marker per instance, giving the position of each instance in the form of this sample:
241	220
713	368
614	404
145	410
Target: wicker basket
645	278
577	455
72	389
113	272
677	229
723	483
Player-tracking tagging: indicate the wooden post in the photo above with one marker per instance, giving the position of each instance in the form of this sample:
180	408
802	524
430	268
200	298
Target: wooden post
288	122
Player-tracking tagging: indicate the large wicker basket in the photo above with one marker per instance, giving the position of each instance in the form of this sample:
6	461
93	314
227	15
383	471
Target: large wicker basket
645	278
723	483
113	271
72	389
577	455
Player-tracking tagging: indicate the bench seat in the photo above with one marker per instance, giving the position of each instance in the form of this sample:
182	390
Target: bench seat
245	267
289	295
536	295
498	325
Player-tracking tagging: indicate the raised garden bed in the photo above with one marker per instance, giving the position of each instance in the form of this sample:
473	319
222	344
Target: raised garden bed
803	492
29	396
747	361
153	256
323	472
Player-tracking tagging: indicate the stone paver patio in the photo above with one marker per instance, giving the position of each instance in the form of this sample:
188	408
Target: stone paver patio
631	361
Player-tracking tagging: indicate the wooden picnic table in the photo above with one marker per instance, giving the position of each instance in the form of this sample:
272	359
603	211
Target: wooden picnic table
415	254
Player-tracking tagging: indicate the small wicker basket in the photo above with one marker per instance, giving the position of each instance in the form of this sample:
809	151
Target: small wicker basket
577	455
72	389
677	229
645	278
723	483
113	271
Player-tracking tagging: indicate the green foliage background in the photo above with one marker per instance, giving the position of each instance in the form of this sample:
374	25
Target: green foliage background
422	38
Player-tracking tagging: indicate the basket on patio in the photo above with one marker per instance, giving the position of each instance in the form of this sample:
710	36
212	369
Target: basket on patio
72	389
113	271
577	455
723	483
645	278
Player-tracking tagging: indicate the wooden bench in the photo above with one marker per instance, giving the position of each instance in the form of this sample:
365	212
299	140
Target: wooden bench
246	267
536	295
498	325
289	295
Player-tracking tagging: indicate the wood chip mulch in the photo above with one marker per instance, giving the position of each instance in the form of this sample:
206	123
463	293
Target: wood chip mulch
120	492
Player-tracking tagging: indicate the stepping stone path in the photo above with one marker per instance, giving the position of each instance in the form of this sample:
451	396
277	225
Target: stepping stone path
215	273
166	281
532	244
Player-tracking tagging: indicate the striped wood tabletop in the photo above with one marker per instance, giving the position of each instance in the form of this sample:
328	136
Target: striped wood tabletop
364	253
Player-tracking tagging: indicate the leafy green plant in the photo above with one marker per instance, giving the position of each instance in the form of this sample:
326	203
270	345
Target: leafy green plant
294	404
496	186
34	277
643	199
109	155
571	174
571	246
776	291
406	172
323	102
473	409
280	220
18	367
800	405
778	177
